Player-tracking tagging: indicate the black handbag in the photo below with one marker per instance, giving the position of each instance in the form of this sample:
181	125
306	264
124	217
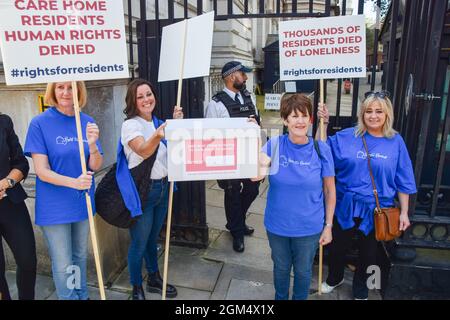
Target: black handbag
108	199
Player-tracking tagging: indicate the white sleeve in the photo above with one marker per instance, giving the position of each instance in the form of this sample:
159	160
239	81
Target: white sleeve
216	110
130	129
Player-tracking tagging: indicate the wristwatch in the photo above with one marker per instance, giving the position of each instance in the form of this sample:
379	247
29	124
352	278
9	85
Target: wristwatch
11	182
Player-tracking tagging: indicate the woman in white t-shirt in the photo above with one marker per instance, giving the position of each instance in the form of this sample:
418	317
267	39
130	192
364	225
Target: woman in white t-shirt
141	137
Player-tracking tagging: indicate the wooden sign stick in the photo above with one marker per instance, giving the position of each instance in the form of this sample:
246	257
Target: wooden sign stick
88	198
169	210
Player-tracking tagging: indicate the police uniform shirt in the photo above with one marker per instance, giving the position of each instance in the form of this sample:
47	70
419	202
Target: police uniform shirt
218	110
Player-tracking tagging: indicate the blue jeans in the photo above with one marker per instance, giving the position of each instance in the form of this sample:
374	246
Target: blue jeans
288	252
144	233
67	245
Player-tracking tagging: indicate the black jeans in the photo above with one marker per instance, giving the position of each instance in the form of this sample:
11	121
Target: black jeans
367	256
16	229
239	195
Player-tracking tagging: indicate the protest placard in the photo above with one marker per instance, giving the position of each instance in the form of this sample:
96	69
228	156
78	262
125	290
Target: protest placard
323	48
61	40
195	59
272	101
185	53
65	41
208	149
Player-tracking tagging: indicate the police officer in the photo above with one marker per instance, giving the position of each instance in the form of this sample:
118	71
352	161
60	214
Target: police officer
235	101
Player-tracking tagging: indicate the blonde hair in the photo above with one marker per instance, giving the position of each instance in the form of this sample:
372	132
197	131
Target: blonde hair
50	98
386	106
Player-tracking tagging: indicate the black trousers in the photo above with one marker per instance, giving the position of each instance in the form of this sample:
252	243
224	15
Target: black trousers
16	229
367	256
239	195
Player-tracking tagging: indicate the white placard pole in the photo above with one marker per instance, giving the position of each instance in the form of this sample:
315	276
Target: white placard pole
88	197
169	210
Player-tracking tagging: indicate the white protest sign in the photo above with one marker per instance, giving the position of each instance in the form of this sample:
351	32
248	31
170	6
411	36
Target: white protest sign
323	48
197	54
62	40
290	86
213	148
272	101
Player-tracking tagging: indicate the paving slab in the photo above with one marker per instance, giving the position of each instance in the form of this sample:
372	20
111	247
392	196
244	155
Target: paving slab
235	272
94	294
263	194
215	186
214	197
214	234
179	250
215	217
43	289
192	272
122	282
257	252
257	222
210	183
250	290
258	206
183	294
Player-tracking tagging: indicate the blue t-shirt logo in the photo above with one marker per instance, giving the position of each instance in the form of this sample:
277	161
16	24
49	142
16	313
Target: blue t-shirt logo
363	155
65	140
284	162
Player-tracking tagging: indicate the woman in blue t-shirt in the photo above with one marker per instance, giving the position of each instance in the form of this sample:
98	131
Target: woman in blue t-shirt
301	175
394	176
60	207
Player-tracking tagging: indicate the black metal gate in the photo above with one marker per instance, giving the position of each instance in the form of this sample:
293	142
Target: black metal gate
189	216
418	72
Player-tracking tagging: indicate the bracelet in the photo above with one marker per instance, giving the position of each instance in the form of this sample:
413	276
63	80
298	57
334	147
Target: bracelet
329	225
325	122
94	152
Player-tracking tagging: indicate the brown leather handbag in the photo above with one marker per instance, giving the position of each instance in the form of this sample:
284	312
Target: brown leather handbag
386	220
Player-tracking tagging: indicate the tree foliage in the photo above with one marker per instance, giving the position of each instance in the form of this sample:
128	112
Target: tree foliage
384	6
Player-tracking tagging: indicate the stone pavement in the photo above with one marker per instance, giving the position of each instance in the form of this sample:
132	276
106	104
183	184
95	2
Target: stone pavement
217	272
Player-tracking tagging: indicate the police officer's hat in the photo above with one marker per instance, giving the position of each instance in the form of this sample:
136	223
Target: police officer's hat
233	66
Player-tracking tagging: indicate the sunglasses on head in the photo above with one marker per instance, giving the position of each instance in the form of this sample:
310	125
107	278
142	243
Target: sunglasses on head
379	94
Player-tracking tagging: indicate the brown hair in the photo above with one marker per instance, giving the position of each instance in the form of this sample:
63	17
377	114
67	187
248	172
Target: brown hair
131	110
50	97
298	102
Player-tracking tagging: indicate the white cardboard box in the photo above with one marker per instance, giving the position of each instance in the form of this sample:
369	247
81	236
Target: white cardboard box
212	148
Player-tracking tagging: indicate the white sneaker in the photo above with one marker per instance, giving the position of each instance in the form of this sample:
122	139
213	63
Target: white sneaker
326	288
362	299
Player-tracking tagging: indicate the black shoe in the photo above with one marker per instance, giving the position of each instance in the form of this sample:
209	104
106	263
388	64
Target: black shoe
238	244
155	284
248	231
138	293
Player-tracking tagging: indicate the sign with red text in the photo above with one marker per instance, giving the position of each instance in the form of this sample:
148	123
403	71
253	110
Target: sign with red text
323	48
209	149
62	40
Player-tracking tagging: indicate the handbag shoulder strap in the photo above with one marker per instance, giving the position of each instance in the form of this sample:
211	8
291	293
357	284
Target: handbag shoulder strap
375	192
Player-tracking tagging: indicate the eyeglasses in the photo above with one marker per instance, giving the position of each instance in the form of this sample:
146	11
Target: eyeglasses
379	94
